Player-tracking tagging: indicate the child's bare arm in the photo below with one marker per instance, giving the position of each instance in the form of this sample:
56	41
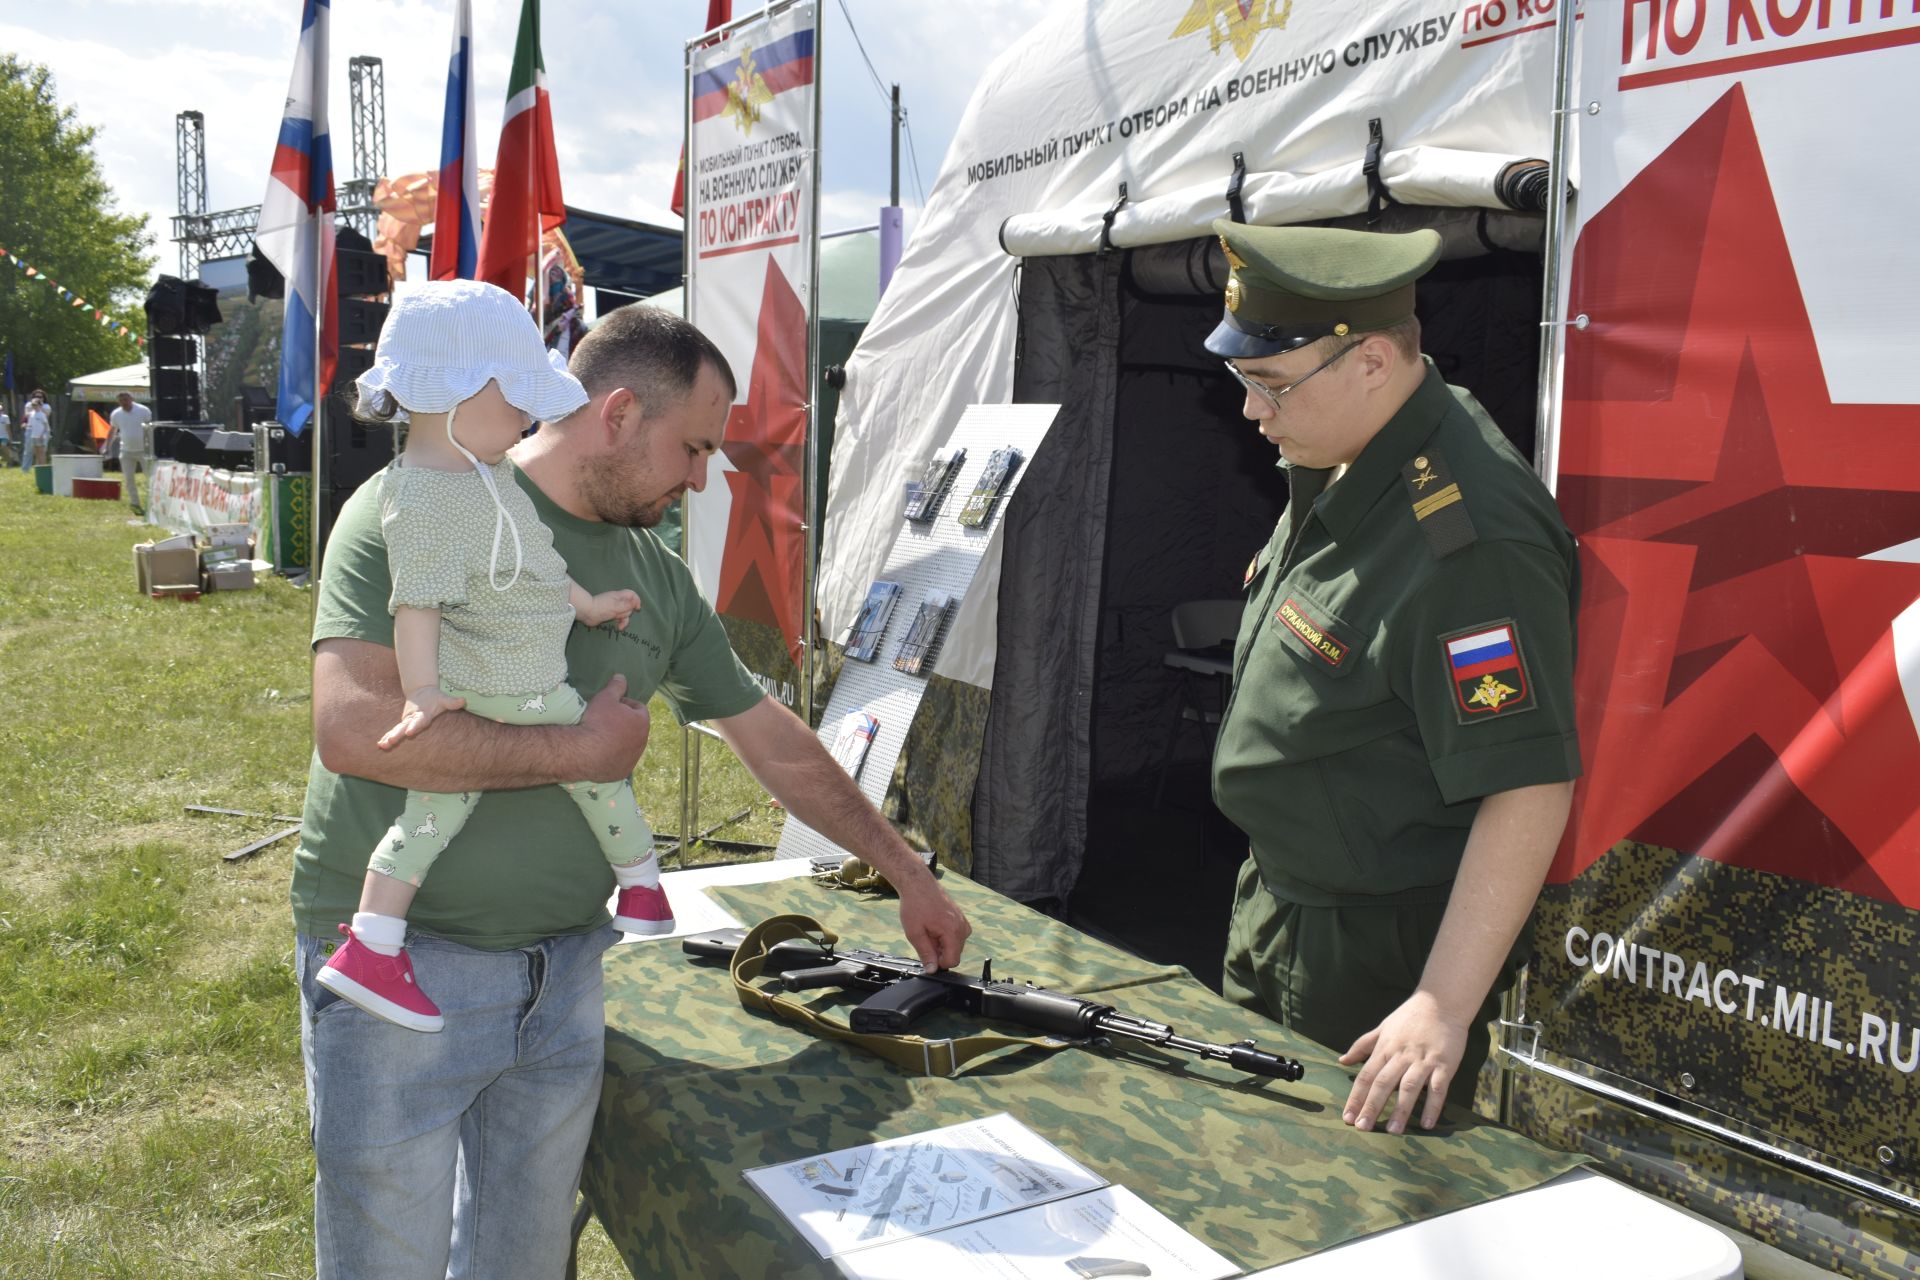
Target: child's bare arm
416	645
608	606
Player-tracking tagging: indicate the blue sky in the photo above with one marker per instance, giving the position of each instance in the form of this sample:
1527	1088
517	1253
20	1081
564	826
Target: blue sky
128	67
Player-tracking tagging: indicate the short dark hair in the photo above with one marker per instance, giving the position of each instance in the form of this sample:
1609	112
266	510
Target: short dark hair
654	353
1403	334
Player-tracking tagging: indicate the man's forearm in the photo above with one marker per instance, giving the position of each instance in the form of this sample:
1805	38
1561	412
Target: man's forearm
1508	851
357	697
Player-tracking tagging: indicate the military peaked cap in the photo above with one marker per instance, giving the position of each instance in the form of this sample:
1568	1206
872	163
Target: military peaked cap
1292	285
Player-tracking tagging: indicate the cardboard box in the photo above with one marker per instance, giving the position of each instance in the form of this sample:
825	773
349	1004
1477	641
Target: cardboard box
168	567
212	556
230	535
233	576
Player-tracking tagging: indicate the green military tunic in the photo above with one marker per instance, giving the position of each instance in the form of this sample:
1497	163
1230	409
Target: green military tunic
1407	649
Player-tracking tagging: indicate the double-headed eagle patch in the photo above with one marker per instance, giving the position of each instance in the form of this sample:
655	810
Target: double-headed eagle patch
1488	671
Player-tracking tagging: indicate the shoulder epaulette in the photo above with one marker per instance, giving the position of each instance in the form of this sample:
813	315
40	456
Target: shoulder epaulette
1437	504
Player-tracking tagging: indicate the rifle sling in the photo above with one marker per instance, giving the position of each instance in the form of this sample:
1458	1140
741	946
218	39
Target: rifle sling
916	1055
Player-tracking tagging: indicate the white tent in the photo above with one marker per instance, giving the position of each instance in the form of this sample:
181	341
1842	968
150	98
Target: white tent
1080	187
109	383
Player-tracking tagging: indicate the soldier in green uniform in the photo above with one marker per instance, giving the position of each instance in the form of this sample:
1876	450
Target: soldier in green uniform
1399	745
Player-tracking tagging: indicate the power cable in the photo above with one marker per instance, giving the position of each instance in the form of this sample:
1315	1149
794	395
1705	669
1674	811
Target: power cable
880	87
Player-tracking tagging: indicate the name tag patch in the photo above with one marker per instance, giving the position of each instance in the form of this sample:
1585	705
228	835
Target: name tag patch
1488	671
1322	643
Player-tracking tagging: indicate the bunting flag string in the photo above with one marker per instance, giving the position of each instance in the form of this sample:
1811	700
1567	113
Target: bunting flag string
106	321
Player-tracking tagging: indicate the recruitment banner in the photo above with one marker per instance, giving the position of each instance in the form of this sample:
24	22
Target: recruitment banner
752	194
1731	925
187	497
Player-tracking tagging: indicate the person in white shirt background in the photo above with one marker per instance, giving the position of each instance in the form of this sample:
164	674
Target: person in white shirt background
37	421
127	440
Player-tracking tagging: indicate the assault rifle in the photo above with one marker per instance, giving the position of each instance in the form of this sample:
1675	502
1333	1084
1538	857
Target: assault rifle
902	991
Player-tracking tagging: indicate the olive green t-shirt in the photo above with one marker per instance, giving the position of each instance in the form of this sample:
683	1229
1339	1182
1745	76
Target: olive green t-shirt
525	866
1390	673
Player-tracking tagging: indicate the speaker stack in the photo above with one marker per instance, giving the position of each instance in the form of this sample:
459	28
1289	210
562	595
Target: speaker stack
178	313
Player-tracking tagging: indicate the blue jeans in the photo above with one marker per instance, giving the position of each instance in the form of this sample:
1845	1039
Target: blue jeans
455	1154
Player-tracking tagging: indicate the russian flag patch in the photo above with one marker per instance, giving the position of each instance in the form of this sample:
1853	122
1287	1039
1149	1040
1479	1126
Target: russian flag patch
1488	671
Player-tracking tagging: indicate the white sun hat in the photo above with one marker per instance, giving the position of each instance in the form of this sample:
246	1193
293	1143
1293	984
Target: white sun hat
446	339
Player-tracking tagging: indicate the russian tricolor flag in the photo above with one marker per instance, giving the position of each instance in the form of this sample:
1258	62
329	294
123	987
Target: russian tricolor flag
1486	651
296	227
456	211
785	64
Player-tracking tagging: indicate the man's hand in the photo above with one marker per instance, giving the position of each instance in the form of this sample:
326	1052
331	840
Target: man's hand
1417	1048
424	705
784	757
617	732
933	924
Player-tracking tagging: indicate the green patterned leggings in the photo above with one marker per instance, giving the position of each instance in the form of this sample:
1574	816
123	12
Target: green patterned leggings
433	818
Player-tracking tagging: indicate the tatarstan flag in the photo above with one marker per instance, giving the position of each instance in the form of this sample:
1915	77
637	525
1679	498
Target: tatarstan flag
526	170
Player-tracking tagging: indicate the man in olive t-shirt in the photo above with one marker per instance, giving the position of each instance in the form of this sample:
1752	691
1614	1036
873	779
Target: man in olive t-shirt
462	1148
1399	745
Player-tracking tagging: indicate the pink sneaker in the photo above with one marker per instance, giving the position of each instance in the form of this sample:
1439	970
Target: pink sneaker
643	909
382	985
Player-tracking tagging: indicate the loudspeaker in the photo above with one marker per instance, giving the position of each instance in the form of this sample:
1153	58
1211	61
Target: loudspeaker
263	278
176	394
253	405
173	352
352	451
176	306
361	320
178	441
360	272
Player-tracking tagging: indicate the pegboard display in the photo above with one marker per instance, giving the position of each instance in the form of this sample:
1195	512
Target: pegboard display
933	561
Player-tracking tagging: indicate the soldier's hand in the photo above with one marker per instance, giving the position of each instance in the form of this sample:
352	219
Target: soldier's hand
1416	1049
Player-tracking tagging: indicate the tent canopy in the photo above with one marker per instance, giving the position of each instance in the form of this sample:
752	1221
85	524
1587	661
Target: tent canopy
1065	257
109	383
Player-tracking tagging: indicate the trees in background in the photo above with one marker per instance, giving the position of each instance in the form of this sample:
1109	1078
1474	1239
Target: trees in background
57	213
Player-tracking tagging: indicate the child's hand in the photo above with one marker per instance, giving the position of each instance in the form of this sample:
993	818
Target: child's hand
610	606
424	705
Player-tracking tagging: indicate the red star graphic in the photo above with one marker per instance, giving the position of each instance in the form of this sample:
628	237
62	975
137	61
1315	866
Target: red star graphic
1736	682
764	563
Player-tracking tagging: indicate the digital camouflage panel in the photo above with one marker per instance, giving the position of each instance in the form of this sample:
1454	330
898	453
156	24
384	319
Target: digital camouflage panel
698	1090
930	798
1780	1008
764	651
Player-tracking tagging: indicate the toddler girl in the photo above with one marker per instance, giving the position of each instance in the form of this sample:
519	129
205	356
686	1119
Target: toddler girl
482	606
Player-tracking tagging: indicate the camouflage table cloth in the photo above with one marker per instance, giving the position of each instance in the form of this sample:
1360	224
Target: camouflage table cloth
698	1089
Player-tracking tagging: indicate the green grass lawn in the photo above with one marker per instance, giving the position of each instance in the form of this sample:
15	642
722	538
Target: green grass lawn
152	1112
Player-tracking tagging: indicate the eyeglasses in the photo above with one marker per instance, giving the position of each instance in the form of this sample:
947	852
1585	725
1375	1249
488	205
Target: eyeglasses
1271	396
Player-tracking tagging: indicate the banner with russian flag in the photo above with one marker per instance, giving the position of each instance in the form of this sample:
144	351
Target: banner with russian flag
750	218
526	170
456	211
719	14
296	227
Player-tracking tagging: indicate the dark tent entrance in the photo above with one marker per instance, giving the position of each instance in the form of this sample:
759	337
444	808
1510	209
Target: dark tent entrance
1151	491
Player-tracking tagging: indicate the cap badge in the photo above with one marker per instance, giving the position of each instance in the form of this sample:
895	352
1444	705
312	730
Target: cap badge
1233	293
1234	260
1340	330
